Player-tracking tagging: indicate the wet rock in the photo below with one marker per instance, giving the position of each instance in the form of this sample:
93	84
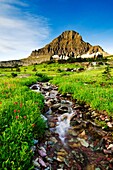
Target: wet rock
102	117
46	108
62	109
35	141
48	103
60	158
35	87
74	145
42	163
47	94
110	146
82	135
53	139
35	163
94	114
90	167
66	161
51	125
77	127
97	169
62	152
48	168
44	118
109	124
49	112
107	151
66	103
88	115
83	142
33	148
72	132
46	88
55	106
68	95
42	152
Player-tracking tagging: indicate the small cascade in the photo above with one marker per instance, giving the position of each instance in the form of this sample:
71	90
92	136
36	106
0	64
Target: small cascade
63	125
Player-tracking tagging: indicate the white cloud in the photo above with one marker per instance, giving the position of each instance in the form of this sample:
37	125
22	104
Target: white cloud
20	31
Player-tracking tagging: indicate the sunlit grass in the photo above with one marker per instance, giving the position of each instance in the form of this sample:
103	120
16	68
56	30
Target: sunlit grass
20	110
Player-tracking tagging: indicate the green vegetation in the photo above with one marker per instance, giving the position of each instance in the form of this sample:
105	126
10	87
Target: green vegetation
90	87
20	108
20	112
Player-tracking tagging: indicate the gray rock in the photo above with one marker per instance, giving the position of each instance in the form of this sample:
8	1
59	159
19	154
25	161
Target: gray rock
55	106
42	163
33	148
35	163
35	141
62	109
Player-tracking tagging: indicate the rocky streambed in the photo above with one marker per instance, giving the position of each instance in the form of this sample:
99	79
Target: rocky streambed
72	140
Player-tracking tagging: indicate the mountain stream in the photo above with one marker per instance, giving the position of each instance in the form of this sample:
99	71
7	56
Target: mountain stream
72	140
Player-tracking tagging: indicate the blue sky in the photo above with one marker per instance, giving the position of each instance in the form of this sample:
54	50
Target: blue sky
26	25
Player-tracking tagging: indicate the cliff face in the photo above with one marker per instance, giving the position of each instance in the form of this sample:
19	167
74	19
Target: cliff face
67	43
11	63
95	49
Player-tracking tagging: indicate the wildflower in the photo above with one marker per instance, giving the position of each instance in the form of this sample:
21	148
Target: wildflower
18	111
14	111
15	102
33	125
20	104
25	117
17	117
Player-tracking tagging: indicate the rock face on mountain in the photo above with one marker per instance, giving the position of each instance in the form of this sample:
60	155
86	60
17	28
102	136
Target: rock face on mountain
95	49
68	43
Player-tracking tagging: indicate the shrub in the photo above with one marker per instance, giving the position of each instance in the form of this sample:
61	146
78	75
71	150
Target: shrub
106	72
13	74
42	77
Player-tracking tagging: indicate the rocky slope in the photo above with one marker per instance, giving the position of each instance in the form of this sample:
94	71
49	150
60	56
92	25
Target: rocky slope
95	49
68	43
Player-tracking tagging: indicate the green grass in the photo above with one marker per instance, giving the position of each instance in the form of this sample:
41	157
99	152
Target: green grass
89	86
20	113
20	108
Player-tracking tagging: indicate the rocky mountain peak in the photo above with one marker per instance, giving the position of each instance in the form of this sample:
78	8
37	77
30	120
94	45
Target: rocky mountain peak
68	43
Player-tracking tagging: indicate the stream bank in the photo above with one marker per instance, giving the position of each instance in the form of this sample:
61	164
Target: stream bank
72	140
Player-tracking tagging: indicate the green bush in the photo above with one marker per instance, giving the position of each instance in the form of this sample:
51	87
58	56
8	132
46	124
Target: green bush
42	77
13	74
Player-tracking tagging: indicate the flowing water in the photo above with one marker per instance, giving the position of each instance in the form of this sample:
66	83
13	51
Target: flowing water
73	141
63	125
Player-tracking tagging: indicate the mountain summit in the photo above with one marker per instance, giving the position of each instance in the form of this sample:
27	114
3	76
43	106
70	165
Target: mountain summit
67	43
